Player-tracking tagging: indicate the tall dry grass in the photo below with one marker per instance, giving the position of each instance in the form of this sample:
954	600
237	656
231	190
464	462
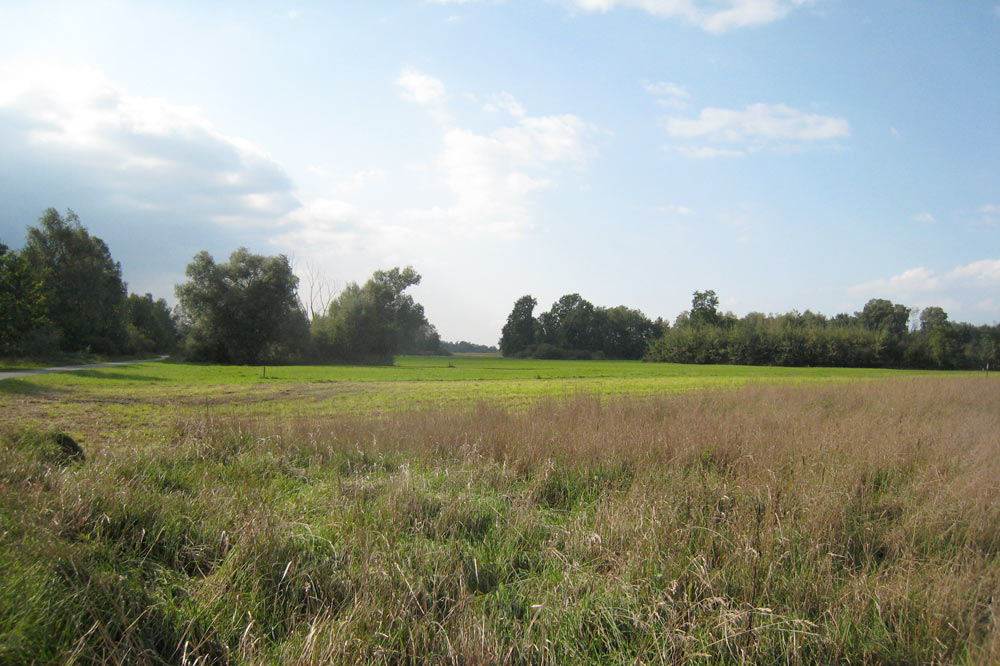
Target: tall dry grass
772	524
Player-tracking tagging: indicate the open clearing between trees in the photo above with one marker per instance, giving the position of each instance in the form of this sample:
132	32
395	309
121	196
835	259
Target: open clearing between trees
480	510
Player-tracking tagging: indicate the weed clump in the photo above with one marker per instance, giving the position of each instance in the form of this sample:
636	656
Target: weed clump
48	447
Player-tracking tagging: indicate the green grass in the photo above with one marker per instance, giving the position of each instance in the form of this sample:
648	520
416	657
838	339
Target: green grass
150	396
481	510
831	523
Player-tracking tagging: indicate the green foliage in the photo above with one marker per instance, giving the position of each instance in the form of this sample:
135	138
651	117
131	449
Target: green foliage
575	329
877	337
151	325
84	295
521	328
22	302
704	308
372	323
244	311
466	347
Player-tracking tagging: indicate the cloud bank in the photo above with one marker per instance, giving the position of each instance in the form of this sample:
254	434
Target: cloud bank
142	153
969	289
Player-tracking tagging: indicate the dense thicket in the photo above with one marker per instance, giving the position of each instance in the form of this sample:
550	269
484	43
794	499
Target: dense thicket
466	347
63	292
244	311
576	328
372	322
878	336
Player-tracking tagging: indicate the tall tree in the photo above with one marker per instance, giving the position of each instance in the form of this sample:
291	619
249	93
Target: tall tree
880	314
704	308
932	317
22	302
82	284
244	311
375	321
573	323
521	328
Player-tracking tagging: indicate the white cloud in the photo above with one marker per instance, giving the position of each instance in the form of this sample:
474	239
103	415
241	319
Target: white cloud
989	214
758	122
137	152
674	209
323	225
415	86
775	127
927	218
359	180
715	16
703	152
492	176
967	289
670	95
894	132
505	102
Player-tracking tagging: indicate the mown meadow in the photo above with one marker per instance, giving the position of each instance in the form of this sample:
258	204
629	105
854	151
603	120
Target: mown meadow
481	511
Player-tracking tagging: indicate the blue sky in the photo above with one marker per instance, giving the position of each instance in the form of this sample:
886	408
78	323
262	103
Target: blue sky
789	154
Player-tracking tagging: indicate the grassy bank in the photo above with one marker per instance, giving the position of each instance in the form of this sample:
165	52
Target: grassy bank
771	523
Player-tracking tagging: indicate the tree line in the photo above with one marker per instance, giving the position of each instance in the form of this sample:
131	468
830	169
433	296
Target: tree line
883	334
63	293
575	328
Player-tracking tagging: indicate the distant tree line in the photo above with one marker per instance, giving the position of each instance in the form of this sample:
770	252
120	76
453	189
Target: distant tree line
465	347
63	292
575	328
879	336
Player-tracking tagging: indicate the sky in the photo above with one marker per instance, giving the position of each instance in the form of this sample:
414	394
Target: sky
788	154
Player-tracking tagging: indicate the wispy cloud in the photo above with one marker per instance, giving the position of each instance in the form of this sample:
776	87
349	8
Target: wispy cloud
505	102
415	86
670	95
703	152
926	218
715	16
709	15
757	122
757	127
989	214
492	176
675	209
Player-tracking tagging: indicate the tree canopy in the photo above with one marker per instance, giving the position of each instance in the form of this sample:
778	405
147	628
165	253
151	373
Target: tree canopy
575	328
22	302
374	321
82	285
244	311
878	336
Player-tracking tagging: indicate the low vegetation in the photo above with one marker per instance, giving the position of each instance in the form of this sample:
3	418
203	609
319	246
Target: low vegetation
840	522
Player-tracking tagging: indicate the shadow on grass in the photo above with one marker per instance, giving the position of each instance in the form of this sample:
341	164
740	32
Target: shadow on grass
100	373
25	387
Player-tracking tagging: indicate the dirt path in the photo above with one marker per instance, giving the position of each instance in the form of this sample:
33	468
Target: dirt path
72	368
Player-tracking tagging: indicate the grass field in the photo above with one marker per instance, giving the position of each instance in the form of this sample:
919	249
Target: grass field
479	511
152	395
